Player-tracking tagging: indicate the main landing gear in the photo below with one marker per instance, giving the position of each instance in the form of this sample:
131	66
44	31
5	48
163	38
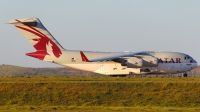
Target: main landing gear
185	75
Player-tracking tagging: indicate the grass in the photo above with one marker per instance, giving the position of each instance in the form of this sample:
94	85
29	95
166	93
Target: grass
93	108
102	94
64	79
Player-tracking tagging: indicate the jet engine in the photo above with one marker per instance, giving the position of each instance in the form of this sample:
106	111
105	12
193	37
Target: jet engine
133	62
150	61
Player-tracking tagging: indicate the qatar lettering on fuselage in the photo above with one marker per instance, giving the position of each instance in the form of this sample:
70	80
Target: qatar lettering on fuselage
169	60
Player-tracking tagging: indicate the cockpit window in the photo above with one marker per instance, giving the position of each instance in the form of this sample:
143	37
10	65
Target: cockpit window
187	57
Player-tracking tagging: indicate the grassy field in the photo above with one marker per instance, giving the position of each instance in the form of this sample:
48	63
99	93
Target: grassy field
60	79
101	94
94	108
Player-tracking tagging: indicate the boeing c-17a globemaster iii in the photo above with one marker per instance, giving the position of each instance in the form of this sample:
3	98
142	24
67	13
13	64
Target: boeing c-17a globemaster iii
106	63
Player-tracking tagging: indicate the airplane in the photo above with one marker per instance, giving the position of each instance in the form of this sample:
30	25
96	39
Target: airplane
106	63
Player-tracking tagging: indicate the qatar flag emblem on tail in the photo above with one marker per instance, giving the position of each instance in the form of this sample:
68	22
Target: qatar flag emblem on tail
39	37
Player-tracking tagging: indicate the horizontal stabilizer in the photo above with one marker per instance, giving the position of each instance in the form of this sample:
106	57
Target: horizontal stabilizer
23	21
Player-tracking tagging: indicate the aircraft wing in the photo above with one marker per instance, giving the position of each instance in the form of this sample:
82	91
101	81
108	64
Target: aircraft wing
115	57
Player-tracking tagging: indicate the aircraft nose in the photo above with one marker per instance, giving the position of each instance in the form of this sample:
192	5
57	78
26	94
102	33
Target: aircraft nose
195	64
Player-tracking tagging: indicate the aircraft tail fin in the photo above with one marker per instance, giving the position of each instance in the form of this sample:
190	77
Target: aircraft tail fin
38	36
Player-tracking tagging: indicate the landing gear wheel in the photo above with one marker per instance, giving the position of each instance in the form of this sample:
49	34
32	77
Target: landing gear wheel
185	75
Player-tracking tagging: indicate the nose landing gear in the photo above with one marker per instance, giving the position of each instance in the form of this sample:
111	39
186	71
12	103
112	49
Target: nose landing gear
185	75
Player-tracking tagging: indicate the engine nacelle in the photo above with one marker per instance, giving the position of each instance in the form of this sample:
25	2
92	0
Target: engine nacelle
133	62
150	62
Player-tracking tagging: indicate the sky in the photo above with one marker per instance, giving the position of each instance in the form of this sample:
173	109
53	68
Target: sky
103	25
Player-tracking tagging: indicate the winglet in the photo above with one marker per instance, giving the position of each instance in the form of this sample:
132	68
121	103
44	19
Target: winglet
84	58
